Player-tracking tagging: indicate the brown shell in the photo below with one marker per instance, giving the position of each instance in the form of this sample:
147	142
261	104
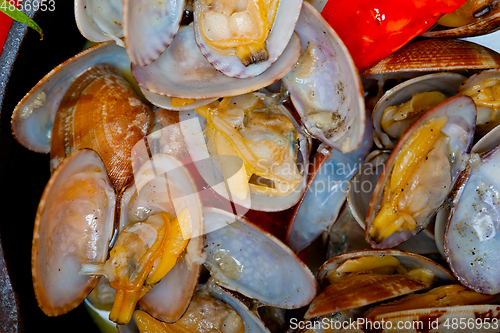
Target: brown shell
360	290
437	55
102	112
481	27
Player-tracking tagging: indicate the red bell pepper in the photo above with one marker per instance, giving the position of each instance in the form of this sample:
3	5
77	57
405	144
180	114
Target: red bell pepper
372	29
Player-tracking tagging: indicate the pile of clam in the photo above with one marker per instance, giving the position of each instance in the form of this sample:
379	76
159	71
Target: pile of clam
175	138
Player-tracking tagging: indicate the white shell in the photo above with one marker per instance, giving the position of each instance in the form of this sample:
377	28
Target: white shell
245	259
471	241
71	229
286	17
182	71
325	79
100	21
32	121
149	27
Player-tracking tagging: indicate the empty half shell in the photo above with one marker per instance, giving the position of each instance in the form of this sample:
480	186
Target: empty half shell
100	21
182	71
324	85
471	239
34	115
149	27
245	259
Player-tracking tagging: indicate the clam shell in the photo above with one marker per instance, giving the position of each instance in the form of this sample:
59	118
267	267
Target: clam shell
407	259
326	192
149	27
163	184
437	55
485	25
281	32
483	126
73	226
325	80
447	83
471	239
360	290
32	121
245	259
461	113
182	71
102	112
100	21
192	127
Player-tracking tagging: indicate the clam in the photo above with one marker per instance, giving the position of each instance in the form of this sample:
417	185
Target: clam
431	55
412	186
33	117
473	18
258	157
182	71
100	21
149	27
243	258
102	112
402	105
73	226
244	38
470	239
359	194
324	85
484	89
356	279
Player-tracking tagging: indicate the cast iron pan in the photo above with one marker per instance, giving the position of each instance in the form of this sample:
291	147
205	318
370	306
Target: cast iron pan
25	59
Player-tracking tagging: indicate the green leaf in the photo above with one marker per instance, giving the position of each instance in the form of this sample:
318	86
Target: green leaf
14	13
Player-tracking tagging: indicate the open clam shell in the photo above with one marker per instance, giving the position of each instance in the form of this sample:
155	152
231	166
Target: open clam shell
446	83
471	239
73	226
149	27
457	118
243	258
182	71
324	85
100	21
364	289
432	55
209	164
34	115
286	17
163	184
